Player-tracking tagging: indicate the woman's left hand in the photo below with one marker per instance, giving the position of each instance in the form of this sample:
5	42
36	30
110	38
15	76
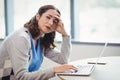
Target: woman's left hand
63	68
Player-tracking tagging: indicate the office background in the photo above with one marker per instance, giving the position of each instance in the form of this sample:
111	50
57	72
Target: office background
90	23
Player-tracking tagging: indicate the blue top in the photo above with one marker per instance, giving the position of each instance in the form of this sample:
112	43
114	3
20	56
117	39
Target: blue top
36	56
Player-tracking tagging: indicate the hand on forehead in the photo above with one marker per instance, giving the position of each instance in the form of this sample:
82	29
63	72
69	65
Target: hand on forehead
55	14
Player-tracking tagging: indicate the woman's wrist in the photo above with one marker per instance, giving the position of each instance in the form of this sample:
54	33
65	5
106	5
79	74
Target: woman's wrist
65	35
54	69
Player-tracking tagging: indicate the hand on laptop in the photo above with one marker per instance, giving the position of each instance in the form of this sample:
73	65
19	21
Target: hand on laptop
64	68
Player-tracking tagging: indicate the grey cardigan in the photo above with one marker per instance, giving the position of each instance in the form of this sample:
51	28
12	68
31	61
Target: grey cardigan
15	53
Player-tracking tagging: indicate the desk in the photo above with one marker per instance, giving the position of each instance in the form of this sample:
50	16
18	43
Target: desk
110	71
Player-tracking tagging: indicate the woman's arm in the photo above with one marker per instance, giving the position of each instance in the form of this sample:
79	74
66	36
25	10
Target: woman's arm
60	56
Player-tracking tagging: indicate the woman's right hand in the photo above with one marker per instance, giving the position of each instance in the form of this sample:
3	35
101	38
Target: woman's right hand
64	67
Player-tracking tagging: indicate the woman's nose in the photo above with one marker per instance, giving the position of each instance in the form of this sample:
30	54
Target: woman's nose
50	22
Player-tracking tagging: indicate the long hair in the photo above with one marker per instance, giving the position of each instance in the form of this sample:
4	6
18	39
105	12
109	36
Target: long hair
48	40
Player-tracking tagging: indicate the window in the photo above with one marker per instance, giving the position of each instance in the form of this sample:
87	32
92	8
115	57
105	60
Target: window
24	10
2	19
97	21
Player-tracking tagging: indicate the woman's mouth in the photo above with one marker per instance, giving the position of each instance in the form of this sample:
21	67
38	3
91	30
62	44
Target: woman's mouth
48	27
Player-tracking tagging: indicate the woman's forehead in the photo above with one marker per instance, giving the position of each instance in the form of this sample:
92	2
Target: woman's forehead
52	12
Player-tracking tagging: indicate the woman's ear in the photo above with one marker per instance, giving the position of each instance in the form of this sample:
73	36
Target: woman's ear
37	16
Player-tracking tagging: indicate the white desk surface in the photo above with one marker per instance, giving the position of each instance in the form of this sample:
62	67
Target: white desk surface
110	71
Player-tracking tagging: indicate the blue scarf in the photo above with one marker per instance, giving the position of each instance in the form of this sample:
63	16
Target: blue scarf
36	56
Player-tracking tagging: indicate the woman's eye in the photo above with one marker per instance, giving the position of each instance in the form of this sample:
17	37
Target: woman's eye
55	21
48	17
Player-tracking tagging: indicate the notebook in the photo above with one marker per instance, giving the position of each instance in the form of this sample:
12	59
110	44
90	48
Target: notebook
85	69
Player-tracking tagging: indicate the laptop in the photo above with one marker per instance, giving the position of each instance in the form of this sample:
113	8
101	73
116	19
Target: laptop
85	69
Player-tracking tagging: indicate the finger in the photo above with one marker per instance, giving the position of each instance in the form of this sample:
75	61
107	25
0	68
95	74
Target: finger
68	66
73	67
59	18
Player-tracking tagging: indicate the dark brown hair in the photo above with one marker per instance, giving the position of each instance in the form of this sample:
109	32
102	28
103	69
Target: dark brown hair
48	40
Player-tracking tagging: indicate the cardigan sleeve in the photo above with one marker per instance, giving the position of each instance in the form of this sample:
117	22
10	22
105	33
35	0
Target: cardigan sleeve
62	56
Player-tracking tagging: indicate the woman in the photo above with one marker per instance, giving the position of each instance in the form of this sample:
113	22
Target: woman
22	52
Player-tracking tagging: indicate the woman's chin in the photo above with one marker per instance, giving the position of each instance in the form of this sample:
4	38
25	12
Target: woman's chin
48	31
45	32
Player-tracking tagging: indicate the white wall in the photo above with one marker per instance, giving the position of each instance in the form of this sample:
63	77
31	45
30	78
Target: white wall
0	41
81	51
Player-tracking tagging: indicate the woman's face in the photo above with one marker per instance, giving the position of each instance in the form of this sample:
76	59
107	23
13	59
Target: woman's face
48	21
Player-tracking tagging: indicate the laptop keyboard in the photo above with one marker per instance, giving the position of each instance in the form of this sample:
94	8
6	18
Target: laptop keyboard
84	68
